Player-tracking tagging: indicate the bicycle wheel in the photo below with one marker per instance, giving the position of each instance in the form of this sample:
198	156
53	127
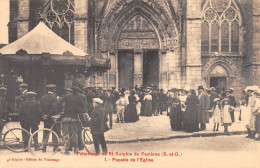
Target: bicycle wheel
16	139
44	142
87	140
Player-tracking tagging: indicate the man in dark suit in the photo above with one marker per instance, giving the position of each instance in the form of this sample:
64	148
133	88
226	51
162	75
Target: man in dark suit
30	116
109	106
47	102
162	100
232	102
3	111
89	96
74	104
21	97
98	125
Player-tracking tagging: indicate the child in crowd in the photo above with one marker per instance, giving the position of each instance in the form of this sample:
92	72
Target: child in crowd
216	114
121	103
226	118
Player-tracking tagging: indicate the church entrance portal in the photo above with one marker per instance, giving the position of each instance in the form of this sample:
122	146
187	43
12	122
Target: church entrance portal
125	68
218	82
151	68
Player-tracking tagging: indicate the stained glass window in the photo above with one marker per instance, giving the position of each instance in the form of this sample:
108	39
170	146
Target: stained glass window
222	19
205	36
59	16
225	36
235	36
214	36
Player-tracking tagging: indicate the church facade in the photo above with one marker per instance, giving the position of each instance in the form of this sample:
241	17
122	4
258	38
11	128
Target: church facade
166	43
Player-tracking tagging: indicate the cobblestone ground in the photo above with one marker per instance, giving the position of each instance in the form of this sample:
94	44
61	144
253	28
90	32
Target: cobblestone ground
205	152
154	127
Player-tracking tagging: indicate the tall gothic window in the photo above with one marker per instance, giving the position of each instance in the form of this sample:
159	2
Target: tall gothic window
59	16
220	26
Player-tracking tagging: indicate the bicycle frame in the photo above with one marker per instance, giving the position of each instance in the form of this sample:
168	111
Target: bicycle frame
8	129
62	136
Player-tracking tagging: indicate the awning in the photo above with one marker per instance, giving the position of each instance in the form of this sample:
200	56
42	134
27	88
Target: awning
41	40
44	46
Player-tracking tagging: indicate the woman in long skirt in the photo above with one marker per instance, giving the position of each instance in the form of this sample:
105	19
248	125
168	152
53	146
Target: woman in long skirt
191	114
130	111
176	115
148	110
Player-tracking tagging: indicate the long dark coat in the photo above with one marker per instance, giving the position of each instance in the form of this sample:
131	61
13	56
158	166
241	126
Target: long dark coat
130	111
204	104
176	117
47	102
191	112
30	113
3	111
98	121
109	103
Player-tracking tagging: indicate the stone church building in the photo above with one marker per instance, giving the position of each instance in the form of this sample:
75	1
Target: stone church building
167	43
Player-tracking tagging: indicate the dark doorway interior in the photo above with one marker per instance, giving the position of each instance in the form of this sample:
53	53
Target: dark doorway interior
151	68
218	82
125	68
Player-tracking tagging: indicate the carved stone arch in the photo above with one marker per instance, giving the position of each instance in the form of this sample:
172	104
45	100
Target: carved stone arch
228	67
228	70
115	20
231	69
235	2
116	36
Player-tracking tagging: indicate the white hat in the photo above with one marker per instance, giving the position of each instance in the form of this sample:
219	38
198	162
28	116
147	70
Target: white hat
187	88
97	100
248	88
216	99
256	89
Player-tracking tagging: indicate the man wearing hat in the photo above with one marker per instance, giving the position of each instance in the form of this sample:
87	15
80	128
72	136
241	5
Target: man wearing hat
47	102
232	102
109	105
74	104
204	104
3	111
213	96
30	116
251	110
89	96
22	94
98	125
162	101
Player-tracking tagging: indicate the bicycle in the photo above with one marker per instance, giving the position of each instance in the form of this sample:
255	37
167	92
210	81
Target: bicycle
52	141
15	139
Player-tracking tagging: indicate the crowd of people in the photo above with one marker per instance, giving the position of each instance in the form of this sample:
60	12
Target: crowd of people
188	111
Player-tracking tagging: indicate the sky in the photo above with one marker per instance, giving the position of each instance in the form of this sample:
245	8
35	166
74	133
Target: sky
4	19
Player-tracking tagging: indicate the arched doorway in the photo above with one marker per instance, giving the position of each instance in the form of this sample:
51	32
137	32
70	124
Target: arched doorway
139	37
218	77
138	56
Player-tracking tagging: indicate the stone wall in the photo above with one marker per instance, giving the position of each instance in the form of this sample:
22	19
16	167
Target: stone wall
81	25
23	18
193	43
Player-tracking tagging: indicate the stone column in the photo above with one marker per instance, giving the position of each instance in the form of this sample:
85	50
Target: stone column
173	69
163	70
255	58
138	67
112	71
80	25
193	59
23	18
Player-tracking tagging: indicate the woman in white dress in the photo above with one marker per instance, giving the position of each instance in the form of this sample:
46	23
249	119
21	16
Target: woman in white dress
216	114
225	113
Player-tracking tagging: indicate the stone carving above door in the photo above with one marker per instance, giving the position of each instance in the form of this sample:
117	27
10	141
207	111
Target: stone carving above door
138	33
